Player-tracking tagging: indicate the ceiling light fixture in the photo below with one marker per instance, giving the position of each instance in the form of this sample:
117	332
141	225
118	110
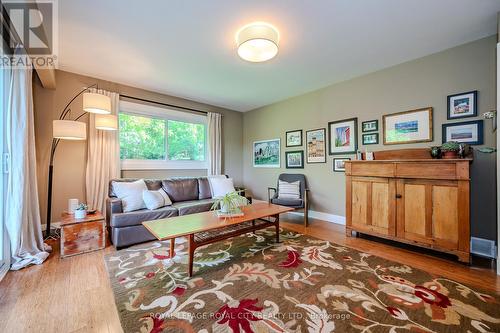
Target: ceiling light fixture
257	42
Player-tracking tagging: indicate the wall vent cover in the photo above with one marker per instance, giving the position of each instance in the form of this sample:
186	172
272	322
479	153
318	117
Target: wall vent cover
483	247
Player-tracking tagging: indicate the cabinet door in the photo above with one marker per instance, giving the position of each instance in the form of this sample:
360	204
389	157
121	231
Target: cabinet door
428	212
372	206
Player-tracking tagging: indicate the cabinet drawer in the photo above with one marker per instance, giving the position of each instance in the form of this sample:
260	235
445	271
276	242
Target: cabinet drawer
426	170
372	169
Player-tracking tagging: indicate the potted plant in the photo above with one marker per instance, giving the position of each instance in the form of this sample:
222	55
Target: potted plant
229	203
81	211
450	149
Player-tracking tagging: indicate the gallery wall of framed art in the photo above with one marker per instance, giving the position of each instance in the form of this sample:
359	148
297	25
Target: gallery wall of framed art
427	82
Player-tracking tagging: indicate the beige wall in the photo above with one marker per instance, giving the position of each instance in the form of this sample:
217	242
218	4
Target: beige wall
420	83
69	163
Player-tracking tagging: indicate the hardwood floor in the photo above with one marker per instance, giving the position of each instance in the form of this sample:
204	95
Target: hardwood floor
74	294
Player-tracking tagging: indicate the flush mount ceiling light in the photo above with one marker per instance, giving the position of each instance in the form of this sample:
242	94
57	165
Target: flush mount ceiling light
257	42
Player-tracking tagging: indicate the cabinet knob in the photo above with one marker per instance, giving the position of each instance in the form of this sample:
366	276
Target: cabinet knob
398	196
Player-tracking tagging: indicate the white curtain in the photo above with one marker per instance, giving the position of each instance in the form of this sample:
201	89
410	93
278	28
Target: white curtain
103	162
214	126
22	209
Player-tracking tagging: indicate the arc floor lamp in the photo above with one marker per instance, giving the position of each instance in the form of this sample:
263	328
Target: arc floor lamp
67	129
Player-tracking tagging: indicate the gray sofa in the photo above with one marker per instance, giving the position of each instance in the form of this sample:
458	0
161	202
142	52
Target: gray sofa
188	195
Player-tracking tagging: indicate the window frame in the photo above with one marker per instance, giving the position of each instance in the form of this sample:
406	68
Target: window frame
145	110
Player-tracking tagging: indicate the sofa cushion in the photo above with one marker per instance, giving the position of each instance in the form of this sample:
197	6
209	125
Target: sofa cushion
195	206
204	188
139	216
295	203
131	194
220	186
155	199
181	189
151	184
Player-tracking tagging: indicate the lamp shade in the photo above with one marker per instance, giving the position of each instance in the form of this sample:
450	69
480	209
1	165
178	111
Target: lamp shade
69	130
96	103
106	122
257	42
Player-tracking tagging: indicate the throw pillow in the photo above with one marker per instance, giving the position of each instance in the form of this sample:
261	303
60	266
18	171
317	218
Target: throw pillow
156	199
131	194
220	186
288	190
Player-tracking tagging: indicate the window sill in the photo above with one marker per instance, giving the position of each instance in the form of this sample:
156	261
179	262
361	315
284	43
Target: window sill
162	165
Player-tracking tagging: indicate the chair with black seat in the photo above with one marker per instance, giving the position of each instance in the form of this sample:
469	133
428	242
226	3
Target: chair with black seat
301	203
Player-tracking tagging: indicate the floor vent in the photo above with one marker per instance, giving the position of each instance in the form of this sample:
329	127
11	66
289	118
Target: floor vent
483	247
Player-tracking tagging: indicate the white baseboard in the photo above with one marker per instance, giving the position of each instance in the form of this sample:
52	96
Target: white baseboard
3	270
338	219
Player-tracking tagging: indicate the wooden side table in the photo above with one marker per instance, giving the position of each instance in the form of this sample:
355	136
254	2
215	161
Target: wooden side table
82	235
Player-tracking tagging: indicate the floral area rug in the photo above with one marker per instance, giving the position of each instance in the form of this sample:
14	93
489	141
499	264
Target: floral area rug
252	284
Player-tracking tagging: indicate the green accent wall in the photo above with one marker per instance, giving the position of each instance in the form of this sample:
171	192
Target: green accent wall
415	84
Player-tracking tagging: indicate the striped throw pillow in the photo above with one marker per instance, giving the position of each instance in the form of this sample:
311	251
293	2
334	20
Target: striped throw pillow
288	190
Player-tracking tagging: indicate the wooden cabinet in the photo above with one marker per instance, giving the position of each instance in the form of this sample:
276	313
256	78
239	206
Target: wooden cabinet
421	202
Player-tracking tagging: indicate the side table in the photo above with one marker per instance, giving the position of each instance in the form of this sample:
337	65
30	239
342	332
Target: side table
82	235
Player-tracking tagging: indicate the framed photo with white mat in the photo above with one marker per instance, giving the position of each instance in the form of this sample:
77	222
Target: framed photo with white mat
408	126
469	132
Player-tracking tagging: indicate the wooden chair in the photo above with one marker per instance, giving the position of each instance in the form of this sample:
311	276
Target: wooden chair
301	203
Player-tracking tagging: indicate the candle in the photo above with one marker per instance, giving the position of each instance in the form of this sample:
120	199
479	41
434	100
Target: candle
72	205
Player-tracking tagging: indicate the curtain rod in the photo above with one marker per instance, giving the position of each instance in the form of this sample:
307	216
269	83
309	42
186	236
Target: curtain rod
164	104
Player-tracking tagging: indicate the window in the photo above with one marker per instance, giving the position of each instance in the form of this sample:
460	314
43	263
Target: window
159	138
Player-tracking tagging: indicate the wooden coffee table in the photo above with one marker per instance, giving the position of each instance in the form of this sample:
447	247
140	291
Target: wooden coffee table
207	228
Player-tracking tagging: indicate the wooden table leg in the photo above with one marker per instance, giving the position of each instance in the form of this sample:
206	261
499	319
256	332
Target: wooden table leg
191	248
277	225
172	246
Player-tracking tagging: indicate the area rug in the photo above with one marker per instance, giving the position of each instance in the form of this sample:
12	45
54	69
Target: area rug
252	284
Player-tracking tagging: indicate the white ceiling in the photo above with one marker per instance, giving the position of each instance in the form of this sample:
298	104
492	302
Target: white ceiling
187	48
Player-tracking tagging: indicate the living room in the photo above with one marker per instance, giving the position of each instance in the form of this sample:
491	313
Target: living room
235	166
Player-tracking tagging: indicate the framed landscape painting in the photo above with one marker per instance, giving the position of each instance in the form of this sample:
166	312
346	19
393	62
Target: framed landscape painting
470	132
408	126
294	138
294	159
316	145
266	154
462	105
343	136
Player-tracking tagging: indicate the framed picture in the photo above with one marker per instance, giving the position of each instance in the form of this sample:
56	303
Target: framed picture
294	138
343	136
266	154
316	145
470	132
339	164
369	126
294	159
462	105
408	126
370	139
